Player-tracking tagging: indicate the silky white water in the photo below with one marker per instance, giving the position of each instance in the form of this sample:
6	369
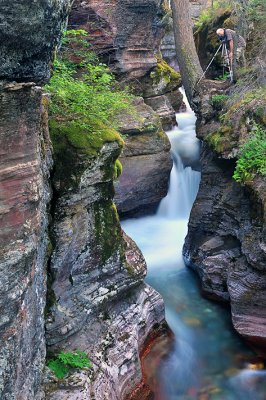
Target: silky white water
208	360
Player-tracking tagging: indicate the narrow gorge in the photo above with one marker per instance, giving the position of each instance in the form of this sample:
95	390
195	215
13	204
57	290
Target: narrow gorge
108	175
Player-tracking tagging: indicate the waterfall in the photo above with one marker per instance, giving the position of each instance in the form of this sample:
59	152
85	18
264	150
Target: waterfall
184	181
202	363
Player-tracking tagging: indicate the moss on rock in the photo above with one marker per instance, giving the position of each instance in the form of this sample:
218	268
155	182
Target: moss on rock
164	75
75	147
108	233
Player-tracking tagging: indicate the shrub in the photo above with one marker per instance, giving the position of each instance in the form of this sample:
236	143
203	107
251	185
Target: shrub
83	89
252	159
66	360
219	99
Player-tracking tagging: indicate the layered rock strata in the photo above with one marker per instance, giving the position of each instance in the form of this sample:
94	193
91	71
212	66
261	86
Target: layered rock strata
101	304
29	32
127	36
226	239
125	33
145	160
25	163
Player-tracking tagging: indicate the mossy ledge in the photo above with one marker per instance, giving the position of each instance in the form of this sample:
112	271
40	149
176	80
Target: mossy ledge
76	146
163	71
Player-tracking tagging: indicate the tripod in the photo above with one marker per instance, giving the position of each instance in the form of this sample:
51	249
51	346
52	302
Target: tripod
226	63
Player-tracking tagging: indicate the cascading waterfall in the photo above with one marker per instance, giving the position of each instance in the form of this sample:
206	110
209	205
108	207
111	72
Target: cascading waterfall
184	181
209	361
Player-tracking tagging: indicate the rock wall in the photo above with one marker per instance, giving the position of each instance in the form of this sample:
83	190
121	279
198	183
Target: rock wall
28	34
127	36
226	238
99	301
125	33
25	164
145	160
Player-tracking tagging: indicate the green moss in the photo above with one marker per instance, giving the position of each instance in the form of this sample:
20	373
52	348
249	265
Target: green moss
108	234
118	169
130	269
249	102
75	146
220	140
220	10
84	140
165	72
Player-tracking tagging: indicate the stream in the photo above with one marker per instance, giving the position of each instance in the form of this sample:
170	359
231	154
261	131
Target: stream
209	361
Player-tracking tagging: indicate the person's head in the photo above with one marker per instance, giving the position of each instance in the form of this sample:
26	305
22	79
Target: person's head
221	33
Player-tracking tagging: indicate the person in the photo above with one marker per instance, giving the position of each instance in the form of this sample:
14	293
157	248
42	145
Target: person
228	36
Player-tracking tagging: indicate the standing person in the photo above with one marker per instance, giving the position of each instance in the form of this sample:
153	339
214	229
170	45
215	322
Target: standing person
235	43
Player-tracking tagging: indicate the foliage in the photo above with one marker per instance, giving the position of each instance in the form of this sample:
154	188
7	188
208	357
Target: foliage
223	77
66	360
219	99
210	13
257	11
252	158
82	89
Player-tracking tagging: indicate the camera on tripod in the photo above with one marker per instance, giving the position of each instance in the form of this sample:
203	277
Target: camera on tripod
225	57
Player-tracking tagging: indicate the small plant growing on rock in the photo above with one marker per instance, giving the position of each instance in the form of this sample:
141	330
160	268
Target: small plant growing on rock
66	360
252	158
218	100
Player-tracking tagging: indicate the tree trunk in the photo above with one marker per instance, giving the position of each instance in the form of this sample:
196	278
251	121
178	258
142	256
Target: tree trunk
187	57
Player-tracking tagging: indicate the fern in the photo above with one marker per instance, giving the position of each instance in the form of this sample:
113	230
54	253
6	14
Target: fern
252	158
66	360
59	369
76	359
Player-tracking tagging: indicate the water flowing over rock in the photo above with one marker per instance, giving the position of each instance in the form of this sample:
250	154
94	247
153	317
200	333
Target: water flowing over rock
226	238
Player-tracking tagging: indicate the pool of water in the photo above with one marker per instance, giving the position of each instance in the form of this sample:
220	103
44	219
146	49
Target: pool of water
209	361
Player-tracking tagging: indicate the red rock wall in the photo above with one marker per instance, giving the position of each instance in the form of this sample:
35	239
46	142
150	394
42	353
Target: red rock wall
125	33
24	194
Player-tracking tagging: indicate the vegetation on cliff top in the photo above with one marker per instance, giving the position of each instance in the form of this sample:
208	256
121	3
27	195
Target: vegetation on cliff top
209	14
85	103
84	98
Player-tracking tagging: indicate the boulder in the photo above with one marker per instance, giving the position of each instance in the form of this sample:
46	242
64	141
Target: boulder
146	162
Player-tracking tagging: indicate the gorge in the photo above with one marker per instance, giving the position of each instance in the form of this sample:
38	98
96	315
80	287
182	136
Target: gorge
72	281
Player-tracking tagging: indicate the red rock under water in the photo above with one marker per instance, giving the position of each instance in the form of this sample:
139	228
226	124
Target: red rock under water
156	347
